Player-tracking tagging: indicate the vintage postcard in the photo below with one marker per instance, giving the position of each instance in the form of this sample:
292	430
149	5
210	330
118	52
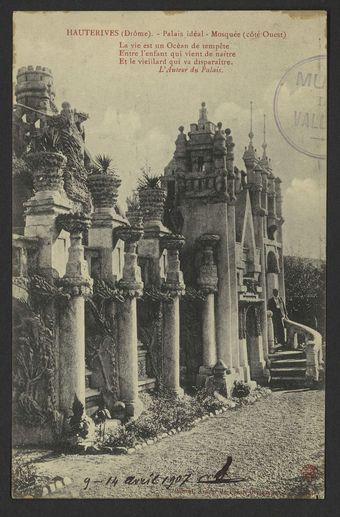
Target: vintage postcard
169	214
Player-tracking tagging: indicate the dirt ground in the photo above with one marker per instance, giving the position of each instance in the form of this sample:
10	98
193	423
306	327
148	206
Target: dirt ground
277	448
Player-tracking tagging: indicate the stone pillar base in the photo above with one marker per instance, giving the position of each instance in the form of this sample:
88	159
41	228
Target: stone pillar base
179	392
259	372
244	372
223	385
133	409
252	385
202	376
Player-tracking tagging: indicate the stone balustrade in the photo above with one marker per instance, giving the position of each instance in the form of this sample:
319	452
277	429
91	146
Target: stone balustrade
312	344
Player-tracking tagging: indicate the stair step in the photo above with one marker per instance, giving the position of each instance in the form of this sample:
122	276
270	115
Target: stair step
284	379
288	361
92	400
92	395
292	369
284	364
287	354
148	383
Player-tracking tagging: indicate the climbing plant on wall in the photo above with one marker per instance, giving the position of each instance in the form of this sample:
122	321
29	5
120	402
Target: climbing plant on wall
101	331
34	354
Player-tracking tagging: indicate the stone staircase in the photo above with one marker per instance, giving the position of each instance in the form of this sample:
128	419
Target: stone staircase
93	396
288	368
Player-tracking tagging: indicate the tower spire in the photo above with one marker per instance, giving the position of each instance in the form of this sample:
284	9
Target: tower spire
264	160
264	145
251	134
249	153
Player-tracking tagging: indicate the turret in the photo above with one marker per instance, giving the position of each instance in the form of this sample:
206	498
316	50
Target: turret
249	156
35	88
219	148
180	154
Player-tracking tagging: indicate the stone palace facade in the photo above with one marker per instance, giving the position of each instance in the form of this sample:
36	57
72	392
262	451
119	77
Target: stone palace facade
170	294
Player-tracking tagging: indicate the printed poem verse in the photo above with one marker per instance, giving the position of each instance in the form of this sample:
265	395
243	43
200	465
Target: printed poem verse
172	51
178	56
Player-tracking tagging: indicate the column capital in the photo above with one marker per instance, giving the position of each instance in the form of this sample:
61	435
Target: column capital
131	288
208	278
128	234
73	223
173	289
172	241
208	239
74	286
174	283
131	284
76	281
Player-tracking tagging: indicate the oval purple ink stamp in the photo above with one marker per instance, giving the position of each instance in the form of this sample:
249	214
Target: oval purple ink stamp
300	106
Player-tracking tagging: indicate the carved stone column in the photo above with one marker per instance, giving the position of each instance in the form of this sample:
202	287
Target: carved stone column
132	286
207	281
42	209
270	332
174	285
77	283
104	193
256	356
243	353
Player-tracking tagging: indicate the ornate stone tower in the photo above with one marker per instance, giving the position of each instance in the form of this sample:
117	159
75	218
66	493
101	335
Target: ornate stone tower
201	186
35	96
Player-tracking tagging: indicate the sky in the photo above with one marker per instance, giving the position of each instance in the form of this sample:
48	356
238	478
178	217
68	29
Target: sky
134	112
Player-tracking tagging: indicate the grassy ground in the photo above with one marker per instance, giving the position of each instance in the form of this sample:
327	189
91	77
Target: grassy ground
272	444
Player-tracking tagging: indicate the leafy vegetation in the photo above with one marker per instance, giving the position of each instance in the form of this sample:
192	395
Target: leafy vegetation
25	479
167	412
50	141
132	202
305	282
241	389
103	165
148	180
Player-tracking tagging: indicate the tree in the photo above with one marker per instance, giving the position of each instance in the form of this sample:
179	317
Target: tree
305	281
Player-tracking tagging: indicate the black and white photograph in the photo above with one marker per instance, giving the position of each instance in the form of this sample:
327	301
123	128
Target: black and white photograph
169	254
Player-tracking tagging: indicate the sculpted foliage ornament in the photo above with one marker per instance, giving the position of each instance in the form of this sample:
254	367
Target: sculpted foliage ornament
103	182
152	196
47	169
